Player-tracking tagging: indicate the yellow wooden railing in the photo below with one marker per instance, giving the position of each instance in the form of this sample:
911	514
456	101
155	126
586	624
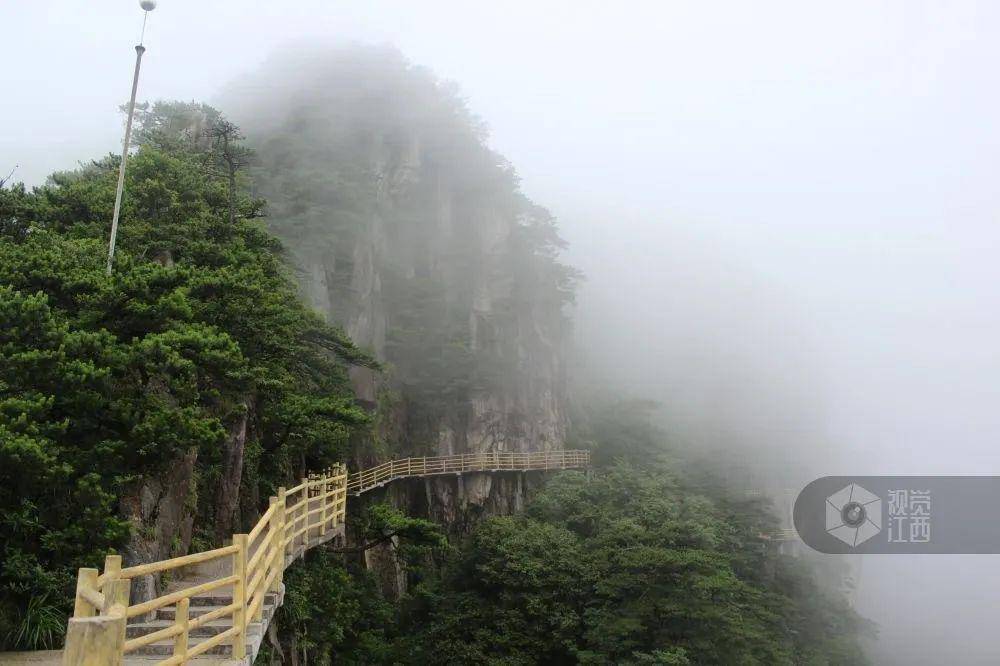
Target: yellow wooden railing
786	534
493	461
296	519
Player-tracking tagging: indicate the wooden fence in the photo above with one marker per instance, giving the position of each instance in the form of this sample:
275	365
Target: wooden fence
296	519
253	564
494	461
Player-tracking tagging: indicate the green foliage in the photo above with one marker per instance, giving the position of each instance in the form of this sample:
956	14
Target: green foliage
512	598
393	179
629	566
42	625
333	616
416	538
105	381
330	616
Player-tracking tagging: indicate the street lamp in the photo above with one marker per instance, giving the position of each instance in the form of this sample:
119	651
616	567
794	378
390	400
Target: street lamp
147	6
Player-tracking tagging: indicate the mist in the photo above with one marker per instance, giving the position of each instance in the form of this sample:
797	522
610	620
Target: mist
786	213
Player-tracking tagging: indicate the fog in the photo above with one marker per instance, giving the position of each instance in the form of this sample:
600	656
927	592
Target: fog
786	212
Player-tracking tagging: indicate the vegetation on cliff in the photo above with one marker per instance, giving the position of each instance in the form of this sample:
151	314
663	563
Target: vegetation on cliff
193	381
632	565
408	230
195	351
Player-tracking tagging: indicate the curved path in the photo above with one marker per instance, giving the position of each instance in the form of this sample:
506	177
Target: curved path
493	461
217	604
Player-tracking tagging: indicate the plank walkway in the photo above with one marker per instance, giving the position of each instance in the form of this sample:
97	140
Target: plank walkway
218	603
493	461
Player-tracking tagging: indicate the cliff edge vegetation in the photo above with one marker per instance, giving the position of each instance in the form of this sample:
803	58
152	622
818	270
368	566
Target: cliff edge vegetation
148	411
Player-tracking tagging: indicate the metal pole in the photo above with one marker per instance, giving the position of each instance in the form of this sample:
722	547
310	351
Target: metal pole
139	50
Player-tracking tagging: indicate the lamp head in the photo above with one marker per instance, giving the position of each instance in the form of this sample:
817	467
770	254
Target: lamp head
147	5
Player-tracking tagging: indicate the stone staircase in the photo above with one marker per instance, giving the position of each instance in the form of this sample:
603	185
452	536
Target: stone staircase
200	605
206	603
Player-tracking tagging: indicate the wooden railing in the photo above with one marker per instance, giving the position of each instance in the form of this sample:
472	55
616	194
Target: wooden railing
253	564
786	534
296	519
494	461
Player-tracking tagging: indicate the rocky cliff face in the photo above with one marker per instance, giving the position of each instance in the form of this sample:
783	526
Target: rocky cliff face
411	234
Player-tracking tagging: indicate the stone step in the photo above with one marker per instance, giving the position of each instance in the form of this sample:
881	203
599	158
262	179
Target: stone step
200	660
210	629
170	612
166	647
202	605
167	619
213	598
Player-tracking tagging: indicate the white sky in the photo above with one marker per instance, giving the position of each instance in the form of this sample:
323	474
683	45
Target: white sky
793	204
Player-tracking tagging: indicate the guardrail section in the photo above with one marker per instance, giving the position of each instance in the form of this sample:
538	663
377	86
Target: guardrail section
492	461
239	577
296	519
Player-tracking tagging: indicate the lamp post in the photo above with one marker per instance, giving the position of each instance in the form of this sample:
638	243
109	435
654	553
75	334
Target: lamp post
147	6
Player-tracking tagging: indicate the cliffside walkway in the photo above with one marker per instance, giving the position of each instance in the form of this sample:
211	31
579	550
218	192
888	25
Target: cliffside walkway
217	604
494	461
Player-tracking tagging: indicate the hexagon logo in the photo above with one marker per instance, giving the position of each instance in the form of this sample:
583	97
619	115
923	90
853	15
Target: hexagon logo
853	515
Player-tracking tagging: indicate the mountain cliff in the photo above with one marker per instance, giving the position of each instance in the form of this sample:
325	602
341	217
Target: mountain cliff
150	411
410	233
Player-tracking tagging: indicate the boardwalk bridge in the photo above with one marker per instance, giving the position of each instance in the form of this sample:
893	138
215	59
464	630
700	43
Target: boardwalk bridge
217	604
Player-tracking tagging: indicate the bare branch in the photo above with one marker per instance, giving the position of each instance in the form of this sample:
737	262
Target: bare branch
365	546
3	181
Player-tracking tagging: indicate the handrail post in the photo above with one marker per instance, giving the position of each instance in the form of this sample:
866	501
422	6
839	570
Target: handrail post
112	566
271	559
342	511
304	513
264	563
335	484
99	640
309	494
339	482
340	491
324	496
116	606
240	596
85	579
335	494
282	501
181	640
334	490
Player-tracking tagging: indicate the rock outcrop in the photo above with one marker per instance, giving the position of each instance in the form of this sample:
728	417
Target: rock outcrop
411	234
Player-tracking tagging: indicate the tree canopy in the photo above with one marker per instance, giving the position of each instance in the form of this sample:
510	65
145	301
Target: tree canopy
108	380
632	564
198	339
